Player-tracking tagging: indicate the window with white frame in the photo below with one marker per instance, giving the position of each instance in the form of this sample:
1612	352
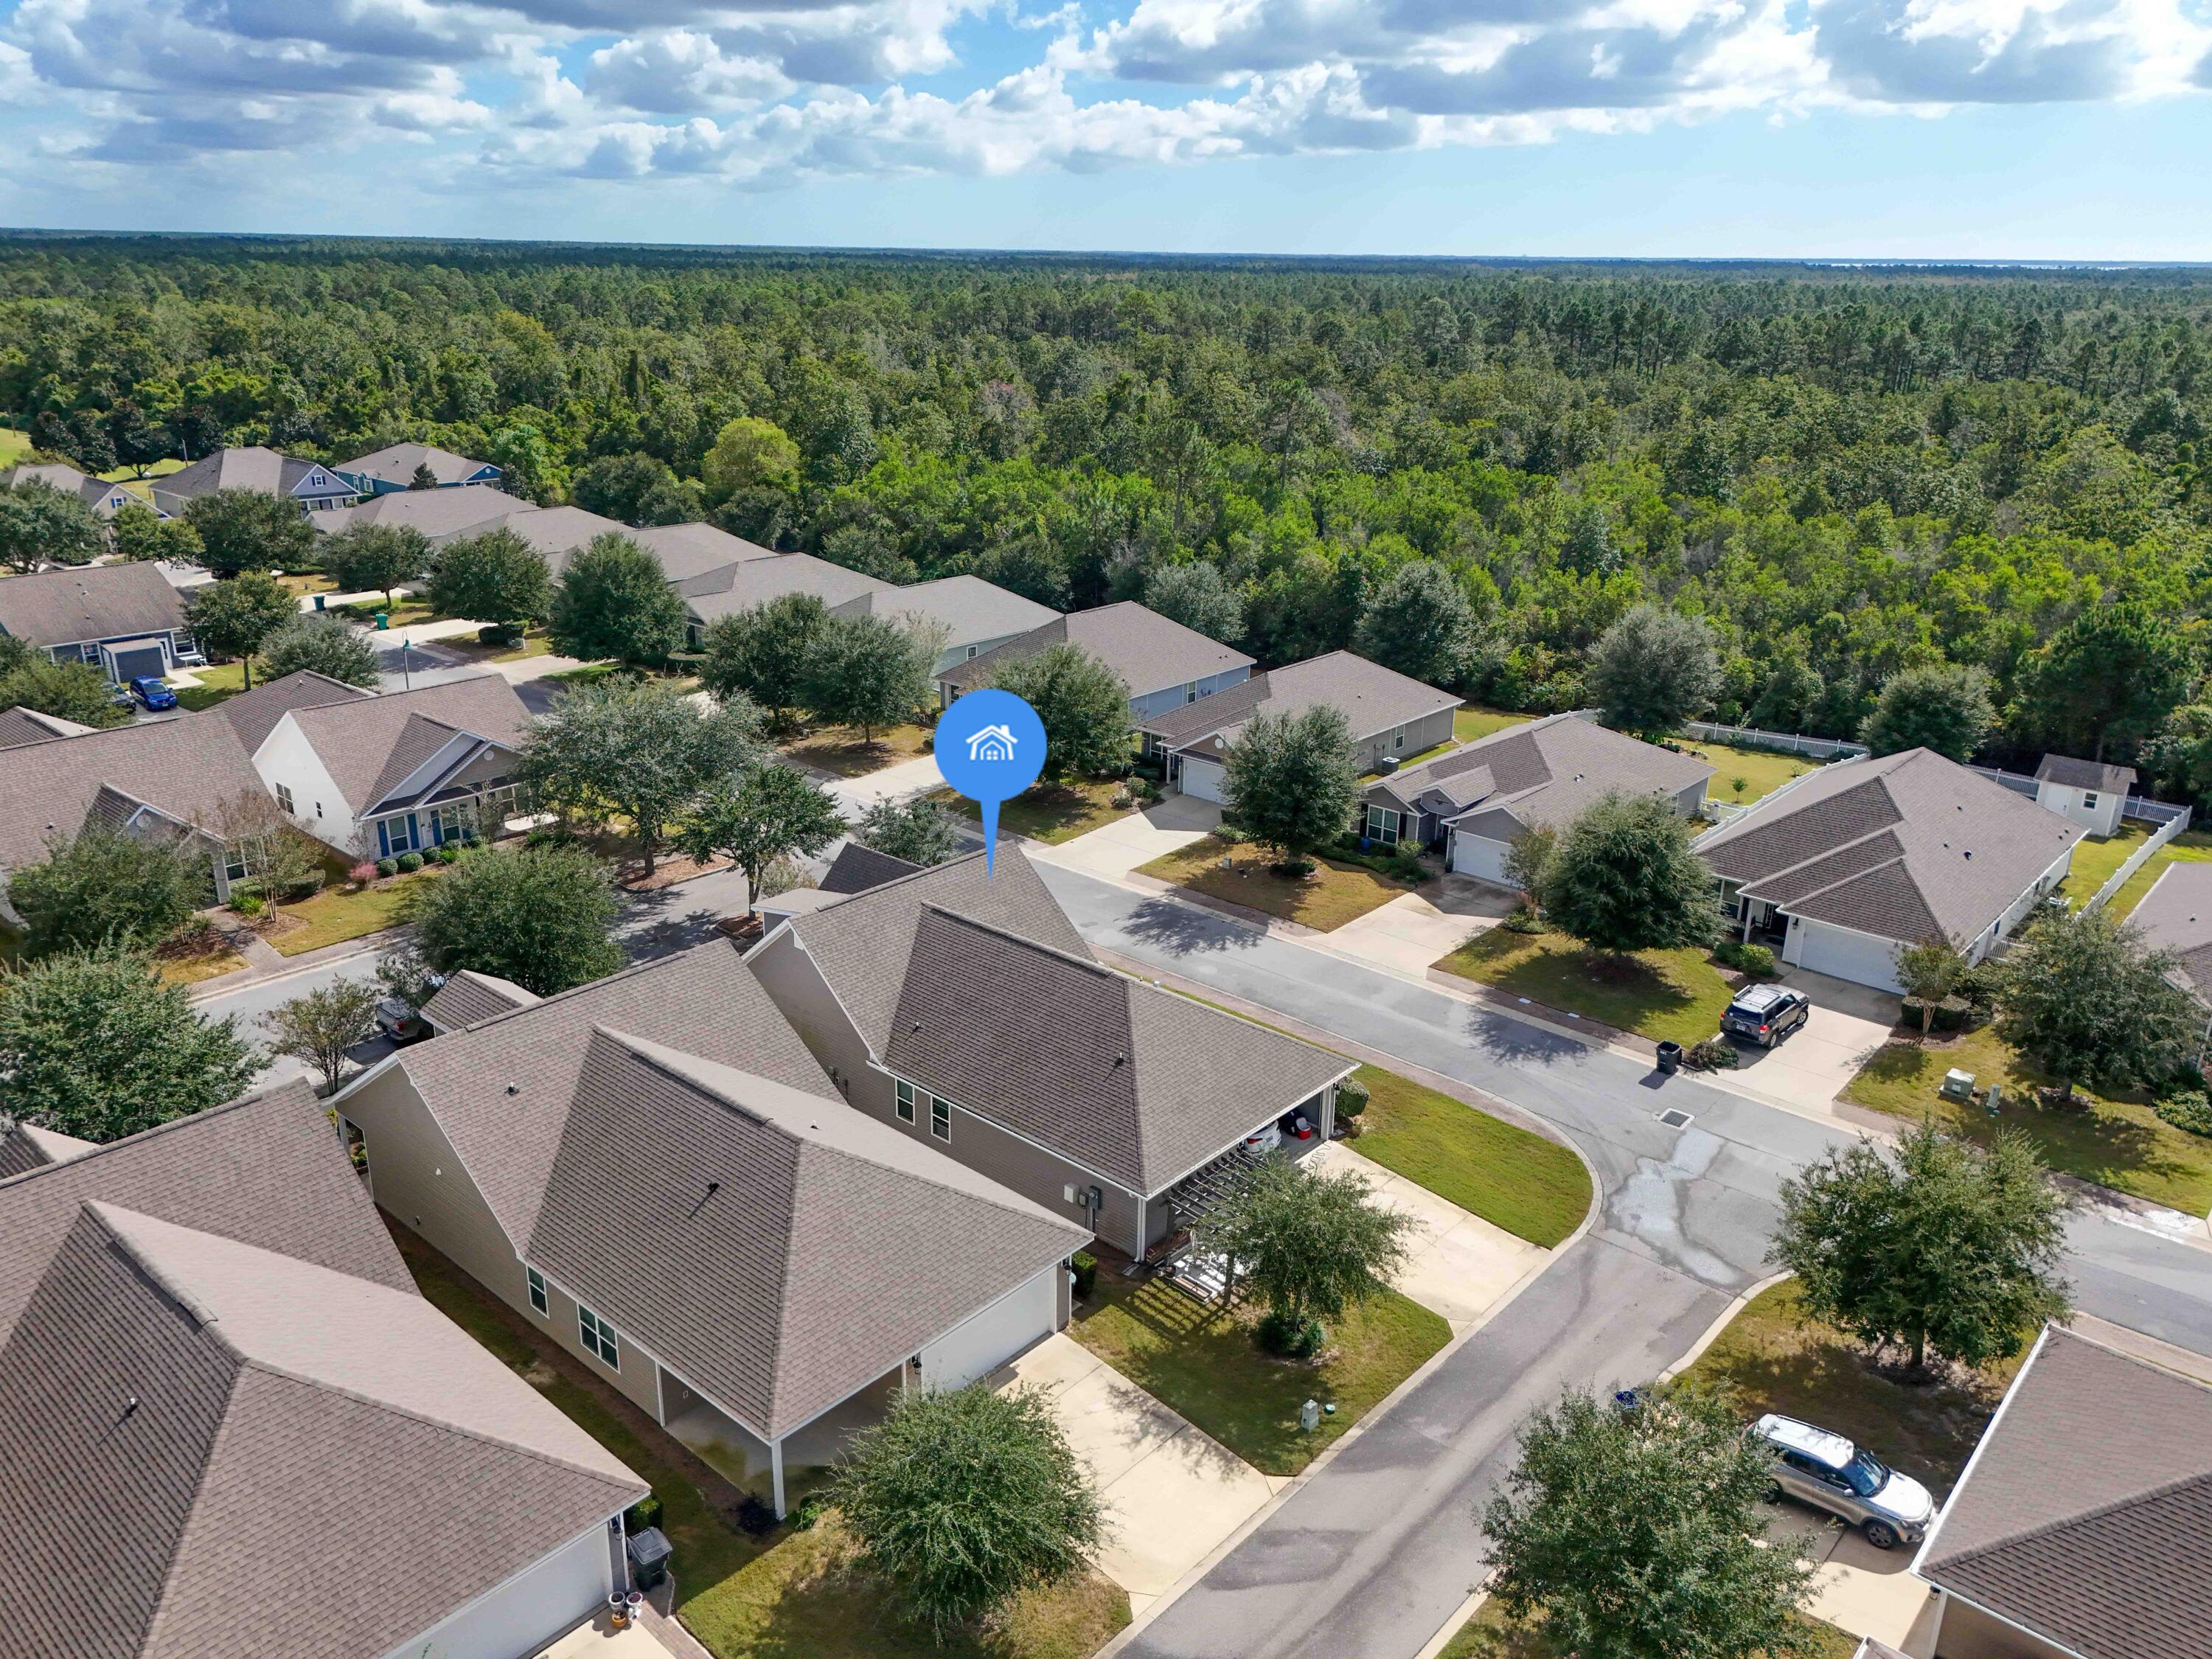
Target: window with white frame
905	1101
284	798
2088	800
598	1336
940	1118
538	1299
1382	825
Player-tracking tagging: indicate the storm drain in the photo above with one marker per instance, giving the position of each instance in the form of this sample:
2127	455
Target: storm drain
1675	1118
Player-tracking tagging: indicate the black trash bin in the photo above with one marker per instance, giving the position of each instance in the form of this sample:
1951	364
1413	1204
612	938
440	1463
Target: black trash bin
649	1551
1670	1056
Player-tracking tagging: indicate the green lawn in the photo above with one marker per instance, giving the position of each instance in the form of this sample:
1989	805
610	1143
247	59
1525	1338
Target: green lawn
1491	1635
792	1593
217	684
2115	1143
338	913
842	750
1767	1361
191	970
1333	894
2189	846
1049	812
1475	722
13	445
160	469
2097	857
1532	1187
1202	1360
1660	994
1763	770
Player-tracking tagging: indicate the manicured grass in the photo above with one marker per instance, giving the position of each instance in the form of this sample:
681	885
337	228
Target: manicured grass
1200	1360
1660	994
2115	1143
1333	894
217	684
2097	857
191	970
1763	770
1768	1360
338	914
1492	1635
840	750
300	583
1050	812
1534	1187
160	469
2189	846
1473	722
14	444
792	1592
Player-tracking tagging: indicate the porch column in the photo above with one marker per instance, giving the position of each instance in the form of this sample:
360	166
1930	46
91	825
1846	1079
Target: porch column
1326	1129
775	1474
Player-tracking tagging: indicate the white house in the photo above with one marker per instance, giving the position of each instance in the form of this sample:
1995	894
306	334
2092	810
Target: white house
2091	793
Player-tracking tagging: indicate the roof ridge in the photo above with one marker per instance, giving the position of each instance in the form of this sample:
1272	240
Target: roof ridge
292	1084
1068	957
630	972
914	874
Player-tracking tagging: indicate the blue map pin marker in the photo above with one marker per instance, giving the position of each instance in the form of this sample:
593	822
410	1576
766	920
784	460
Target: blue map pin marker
990	746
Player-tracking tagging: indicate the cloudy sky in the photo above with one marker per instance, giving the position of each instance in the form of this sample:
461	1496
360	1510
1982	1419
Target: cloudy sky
2020	129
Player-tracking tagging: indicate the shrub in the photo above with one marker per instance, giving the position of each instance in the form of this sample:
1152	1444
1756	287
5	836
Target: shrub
1086	1272
449	852
362	874
1294	869
1523	920
1714	1054
408	863
387	866
301	887
646	1512
1949	1015
499	634
1351	1099
247	904
755	1516
1984	984
1754	959
1289	1336
2191	1110
1405	866
1233	835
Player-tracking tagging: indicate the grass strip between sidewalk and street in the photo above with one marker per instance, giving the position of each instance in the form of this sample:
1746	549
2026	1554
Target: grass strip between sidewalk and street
1659	994
1530	1185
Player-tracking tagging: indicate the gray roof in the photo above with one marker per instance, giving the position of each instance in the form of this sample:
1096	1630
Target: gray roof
440	514
1540	775
857	868
251	467
2086	1515
978	989
1907	847
254	714
208	1416
396	463
101	494
1372	698
1149	653
2176	916
21	726
369	747
556	532
89	602
26	1146
797	1250
971	609
469	996
686	550
188	769
734	587
2071	773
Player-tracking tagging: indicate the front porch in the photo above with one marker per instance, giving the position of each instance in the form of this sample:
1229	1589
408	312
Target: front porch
773	1470
455	819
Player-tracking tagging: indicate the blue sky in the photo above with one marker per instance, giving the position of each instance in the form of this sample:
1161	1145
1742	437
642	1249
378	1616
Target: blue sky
1991	129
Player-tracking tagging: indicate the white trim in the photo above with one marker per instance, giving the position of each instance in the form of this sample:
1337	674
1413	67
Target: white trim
1989	1434
1163	1191
2035	1636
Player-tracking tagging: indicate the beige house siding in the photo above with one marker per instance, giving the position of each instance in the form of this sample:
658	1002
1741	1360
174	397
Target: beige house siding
1418	736
1967	1632
416	1177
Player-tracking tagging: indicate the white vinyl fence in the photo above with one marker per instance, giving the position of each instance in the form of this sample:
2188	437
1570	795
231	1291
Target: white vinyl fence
2137	806
2142	855
1824	748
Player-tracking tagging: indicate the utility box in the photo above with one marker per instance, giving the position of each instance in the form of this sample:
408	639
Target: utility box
1958	1084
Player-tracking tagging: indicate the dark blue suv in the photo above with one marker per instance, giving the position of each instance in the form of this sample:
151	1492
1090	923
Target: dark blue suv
150	692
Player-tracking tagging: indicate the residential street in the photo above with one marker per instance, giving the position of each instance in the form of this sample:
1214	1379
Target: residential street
1374	1553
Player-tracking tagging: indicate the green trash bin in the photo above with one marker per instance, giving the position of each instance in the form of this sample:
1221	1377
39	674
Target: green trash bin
383	620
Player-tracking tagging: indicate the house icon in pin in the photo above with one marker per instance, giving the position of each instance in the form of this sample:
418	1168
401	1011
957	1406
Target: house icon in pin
993	743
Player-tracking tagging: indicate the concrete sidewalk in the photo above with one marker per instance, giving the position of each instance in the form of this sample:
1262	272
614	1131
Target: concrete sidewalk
1114	850
1416	929
912	777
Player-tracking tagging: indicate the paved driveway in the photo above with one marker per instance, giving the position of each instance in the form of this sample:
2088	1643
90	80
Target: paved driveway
1811	1068
1172	1493
1404	936
1112	850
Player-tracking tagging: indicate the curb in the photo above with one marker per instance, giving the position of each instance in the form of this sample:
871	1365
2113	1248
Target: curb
1726	1317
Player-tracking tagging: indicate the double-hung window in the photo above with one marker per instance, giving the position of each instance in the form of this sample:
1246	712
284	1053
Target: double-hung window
1382	825
538	1299
940	1118
905	1101
284	798
598	1336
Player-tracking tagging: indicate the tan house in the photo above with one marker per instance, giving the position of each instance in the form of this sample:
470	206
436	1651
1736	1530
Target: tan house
217	1377
654	1168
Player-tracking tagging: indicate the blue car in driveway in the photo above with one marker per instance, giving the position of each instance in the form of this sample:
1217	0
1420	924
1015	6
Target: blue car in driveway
151	692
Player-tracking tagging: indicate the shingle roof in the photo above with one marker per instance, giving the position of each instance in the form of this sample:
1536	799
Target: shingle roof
440	514
556	532
2071	773
210	1417
249	466
1907	847
733	587
254	714
96	493
2086	1515
189	769
90	602
1149	652
21	726
798	1249
686	550
396	463
1540	775
26	1147
971	609
857	868
370	746
1372	698
2176	916
469	996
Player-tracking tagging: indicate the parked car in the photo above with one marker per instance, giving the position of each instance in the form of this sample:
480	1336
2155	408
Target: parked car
1765	1014
401	1022
1828	1472
149	691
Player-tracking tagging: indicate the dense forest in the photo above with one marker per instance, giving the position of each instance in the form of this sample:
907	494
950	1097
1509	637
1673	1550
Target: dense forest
1845	472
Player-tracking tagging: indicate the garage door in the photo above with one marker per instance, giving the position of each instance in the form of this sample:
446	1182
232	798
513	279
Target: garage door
1202	778
1476	856
996	1335
139	660
1853	957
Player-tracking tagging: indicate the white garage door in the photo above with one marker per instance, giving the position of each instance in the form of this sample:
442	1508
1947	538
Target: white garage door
1854	957
1476	855
520	1616
1202	778
991	1338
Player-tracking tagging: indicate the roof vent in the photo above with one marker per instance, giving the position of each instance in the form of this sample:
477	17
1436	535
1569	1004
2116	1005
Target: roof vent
514	1088
1970	852
917	1026
1120	1060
